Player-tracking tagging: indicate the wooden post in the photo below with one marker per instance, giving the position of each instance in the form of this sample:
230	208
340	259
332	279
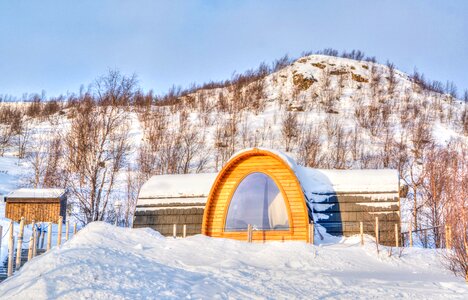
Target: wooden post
249	233
33	242
19	245
185	231
67	229
59	235
10	250
49	236
30	248
74	229
410	232
397	241
36	241
361	231
312	233
377	232
41	237
174	231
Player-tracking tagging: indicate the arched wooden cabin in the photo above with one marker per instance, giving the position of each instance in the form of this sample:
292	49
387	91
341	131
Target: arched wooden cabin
269	191
259	188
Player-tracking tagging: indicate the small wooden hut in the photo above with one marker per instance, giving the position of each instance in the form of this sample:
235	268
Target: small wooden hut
40	205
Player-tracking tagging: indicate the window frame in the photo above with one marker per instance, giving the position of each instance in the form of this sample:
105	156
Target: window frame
290	230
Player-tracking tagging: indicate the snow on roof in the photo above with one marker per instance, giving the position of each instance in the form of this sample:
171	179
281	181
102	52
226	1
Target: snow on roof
36	193
285	157
191	188
339	181
178	186
318	181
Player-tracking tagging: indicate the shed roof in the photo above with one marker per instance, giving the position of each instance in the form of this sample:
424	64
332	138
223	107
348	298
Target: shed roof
36	193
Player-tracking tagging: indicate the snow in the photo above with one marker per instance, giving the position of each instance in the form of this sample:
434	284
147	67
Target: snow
179	185
194	188
105	262
339	181
36	193
172	200
348	181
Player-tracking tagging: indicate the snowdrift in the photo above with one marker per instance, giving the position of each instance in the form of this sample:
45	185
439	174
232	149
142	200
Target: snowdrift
105	262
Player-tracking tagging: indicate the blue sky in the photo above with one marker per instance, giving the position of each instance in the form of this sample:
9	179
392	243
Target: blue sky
58	45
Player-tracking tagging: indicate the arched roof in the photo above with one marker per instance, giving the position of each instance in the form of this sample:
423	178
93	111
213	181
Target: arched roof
275	165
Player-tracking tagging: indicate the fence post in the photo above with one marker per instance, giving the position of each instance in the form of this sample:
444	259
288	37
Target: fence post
249	233
49	236
59	236
41	237
10	250
67	229
410	234
36	240
377	238
397	242
74	229
184	234
32	241
19	246
361	231
312	233
377	232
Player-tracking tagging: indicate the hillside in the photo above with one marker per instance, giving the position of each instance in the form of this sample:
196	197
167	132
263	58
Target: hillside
326	112
105	262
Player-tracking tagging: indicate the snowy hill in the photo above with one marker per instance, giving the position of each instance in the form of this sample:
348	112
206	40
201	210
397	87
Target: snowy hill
106	262
326	112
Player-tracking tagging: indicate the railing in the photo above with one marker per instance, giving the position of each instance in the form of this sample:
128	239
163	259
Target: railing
34	242
374	228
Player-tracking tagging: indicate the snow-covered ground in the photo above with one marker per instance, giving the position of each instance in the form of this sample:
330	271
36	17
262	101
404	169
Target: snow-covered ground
105	262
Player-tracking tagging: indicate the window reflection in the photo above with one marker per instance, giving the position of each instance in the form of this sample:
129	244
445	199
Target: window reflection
257	201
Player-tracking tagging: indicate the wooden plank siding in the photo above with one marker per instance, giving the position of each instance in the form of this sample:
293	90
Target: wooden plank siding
346	210
37	209
163	220
233	173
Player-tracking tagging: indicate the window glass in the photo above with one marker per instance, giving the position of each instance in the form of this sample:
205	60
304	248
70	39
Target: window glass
257	201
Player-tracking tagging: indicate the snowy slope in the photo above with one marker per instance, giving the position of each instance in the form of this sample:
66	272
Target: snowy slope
105	262
263	129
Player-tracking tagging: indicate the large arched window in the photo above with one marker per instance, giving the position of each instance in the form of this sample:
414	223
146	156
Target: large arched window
257	201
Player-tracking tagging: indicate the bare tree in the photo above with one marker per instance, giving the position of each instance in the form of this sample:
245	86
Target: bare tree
289	130
309	147
96	146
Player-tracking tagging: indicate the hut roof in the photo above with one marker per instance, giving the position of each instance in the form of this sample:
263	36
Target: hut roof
196	187
177	186
36	193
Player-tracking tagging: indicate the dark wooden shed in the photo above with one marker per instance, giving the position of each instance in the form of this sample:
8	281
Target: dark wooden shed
40	205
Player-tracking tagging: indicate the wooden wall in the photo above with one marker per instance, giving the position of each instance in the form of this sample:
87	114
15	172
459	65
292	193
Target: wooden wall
346	210
228	180
163	220
39	210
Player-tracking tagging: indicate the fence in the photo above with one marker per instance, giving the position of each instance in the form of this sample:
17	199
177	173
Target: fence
380	230
35	243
